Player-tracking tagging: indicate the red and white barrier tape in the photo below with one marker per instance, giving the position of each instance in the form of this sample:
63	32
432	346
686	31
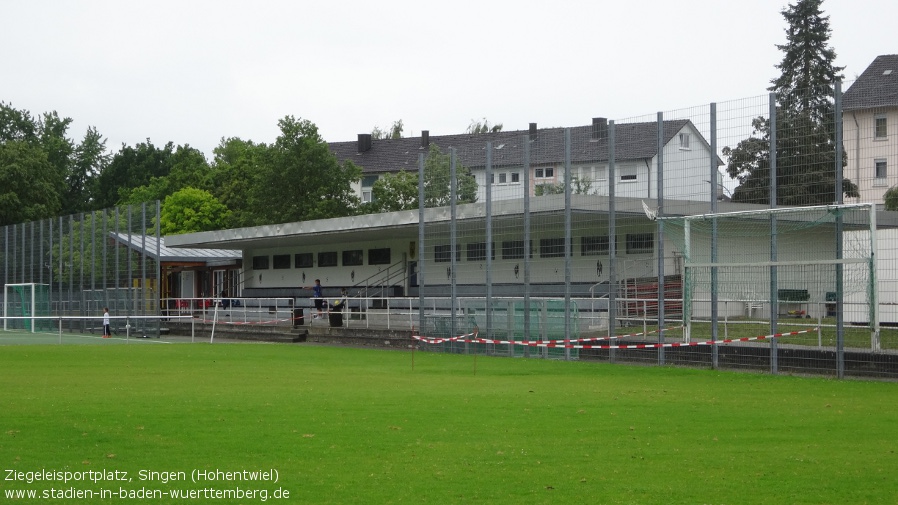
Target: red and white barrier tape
562	345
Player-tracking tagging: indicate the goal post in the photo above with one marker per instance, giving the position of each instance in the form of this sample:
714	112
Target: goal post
25	305
804	262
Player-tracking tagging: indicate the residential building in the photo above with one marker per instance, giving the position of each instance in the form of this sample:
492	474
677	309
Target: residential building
870	129
686	156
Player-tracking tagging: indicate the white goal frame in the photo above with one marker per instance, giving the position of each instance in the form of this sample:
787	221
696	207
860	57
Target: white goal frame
870	260
7	288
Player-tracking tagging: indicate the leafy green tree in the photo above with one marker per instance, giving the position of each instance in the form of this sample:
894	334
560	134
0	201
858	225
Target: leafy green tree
131	167
395	131
188	169
483	127
73	165
233	175
579	186
805	121
394	192
300	179
891	198
29	183
437	178
190	210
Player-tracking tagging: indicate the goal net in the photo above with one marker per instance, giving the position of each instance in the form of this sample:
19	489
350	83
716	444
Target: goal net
778	263
26	306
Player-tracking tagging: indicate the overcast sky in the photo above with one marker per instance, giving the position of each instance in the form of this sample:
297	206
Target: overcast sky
192	72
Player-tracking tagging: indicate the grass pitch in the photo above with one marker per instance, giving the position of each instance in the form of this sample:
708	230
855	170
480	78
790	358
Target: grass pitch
346	426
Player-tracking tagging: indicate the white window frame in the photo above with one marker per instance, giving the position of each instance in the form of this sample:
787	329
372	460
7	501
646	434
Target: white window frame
684	141
885	127
544	173
628	175
880	172
515	177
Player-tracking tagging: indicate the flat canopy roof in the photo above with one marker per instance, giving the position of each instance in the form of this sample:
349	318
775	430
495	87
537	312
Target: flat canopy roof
404	224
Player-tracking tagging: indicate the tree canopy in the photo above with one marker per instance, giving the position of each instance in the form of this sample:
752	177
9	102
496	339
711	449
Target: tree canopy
300	179
805	121
44	172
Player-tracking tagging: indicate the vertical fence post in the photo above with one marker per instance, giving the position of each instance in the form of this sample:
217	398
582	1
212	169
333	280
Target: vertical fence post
612	236
774	293
421	262
489	238
525	141
567	243
840	286
660	240
714	288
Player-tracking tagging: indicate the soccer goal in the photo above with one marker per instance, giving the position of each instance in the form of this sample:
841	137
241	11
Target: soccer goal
25	305
773	264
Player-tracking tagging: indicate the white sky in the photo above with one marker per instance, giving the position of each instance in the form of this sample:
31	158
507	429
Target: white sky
192	72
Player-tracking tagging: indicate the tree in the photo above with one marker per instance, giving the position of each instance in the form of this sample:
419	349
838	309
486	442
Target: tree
483	127
578	187
29	184
436	180
131	167
805	121
73	165
394	192
300	179
395	131
891	198
191	210
233	173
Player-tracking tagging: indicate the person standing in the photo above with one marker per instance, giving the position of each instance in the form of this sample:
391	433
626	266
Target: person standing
106	329
319	301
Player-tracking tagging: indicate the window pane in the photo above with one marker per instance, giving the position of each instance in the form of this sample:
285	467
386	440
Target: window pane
640	243
881	128
352	258
281	261
327	259
379	256
303	260
260	262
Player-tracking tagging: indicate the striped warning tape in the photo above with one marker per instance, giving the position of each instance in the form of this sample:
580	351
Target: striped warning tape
562	345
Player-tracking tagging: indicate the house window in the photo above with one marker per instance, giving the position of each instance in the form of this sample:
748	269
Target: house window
544	173
260	262
281	261
594	246
303	260
600	174
443	254
551	247
628	174
515	177
368	183
477	251
640	243
327	259
880	172
880	128
513	249
352	258
684	141
379	256
503	178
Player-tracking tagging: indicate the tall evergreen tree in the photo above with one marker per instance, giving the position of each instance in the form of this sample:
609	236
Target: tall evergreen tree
805	120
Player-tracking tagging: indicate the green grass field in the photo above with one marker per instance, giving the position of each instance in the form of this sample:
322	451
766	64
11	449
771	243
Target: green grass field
345	426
